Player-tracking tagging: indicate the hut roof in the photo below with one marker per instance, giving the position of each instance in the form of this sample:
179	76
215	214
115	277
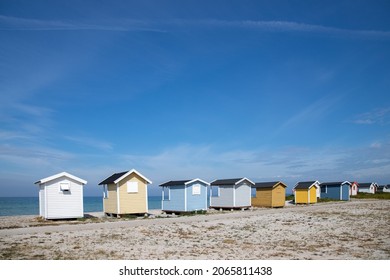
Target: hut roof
304	185
269	184
117	177
59	175
365	185
181	182
335	183
235	181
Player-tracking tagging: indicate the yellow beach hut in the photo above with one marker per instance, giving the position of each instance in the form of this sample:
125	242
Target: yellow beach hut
306	192
269	194
125	193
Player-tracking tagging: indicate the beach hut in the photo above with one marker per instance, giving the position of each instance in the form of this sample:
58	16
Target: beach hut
353	189
231	193
367	187
383	188
306	192
184	195
335	190
125	193
61	196
269	194
318	190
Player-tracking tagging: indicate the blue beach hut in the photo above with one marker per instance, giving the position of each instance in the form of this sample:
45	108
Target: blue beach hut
184	196
335	190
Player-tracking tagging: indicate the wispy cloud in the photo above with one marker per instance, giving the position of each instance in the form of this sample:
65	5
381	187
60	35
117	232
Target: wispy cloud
90	142
11	135
21	128
377	116
25	121
37	156
33	110
284	26
370	163
289	164
15	23
314	111
376	145
303	27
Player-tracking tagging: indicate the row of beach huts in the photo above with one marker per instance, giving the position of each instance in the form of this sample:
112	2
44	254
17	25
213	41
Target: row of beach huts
61	195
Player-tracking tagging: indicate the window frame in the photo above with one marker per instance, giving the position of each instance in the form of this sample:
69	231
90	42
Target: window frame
105	191
253	192
166	196
132	187
218	194
196	189
65	189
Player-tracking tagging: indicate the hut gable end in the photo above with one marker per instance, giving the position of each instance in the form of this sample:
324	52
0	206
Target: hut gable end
61	196
233	193
184	195
125	193
269	194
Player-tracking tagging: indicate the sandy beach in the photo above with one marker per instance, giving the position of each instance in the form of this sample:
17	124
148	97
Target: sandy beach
358	229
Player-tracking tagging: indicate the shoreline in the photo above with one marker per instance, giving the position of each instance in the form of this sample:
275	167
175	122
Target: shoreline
355	229
29	205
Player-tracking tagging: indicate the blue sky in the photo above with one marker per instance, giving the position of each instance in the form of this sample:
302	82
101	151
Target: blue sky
269	90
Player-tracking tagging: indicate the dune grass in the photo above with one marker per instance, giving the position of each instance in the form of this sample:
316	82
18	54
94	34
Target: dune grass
372	196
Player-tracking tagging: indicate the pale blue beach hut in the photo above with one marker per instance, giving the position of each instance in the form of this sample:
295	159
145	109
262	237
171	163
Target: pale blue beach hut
336	190
184	196
231	193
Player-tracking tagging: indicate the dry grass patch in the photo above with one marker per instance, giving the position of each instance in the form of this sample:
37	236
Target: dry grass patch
229	241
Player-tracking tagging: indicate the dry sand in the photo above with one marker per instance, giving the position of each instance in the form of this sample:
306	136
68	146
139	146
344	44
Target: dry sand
357	229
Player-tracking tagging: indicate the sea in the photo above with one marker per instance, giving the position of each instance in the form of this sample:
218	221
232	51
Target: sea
15	206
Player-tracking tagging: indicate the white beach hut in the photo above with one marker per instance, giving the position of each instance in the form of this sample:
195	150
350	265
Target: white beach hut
367	187
61	196
353	189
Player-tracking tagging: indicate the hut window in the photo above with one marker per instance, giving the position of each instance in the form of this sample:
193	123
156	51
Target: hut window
324	189
253	192
196	189
64	187
105	191
215	191
166	193
132	187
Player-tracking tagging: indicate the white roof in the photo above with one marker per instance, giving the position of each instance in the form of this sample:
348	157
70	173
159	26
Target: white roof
62	174
195	180
132	171
245	179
